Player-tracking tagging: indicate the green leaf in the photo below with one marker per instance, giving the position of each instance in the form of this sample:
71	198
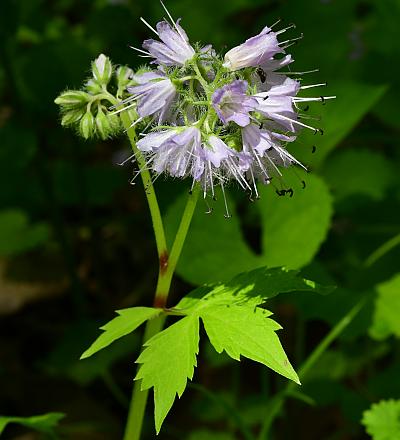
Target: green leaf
339	116
294	227
387	310
374	173
17	235
382	420
212	241
234	323
167	362
127	321
248	332
249	288
43	423
210	435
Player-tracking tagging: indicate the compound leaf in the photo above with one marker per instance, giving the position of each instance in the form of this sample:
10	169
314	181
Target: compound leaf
127	321
167	362
248	332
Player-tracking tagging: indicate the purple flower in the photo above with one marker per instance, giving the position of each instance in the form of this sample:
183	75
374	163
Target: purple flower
267	152
232	104
174	50
154	94
276	102
256	51
175	151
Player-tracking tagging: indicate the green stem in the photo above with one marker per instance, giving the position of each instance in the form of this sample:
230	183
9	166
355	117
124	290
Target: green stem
154	326
148	187
167	265
382	250
278	400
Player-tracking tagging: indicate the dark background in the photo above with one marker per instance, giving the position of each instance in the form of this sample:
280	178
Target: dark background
76	240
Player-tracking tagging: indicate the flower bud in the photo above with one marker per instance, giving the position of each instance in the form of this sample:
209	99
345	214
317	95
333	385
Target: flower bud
72	116
103	125
86	126
115	123
124	76
102	69
93	87
73	99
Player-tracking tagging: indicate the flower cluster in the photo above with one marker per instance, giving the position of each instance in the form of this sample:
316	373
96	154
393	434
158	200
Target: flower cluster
217	119
211	118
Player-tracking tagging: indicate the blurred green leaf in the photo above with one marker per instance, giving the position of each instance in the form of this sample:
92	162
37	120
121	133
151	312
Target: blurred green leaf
210	435
45	423
214	249
293	229
382	420
339	117
372	176
17	235
387	310
127	321
64	359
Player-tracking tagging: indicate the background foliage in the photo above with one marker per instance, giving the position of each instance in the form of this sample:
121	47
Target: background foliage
76	240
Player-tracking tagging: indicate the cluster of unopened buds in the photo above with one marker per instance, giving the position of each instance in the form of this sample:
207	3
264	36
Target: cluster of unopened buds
199	115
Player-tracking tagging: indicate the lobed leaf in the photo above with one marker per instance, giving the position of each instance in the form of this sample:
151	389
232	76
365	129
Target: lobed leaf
248	332
127	321
167	362
382	420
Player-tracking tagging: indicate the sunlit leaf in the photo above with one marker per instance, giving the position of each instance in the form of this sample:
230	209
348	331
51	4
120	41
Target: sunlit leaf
167	362
127	321
247	332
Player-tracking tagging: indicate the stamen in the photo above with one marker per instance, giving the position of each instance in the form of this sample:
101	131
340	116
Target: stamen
313	85
292	40
149	25
291	26
141	50
297	73
133	124
173	21
227	215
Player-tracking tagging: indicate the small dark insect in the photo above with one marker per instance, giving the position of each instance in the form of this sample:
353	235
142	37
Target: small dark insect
266	97
303	183
314	149
261	74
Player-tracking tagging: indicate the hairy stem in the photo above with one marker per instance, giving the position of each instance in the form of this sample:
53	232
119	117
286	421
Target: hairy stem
148	187
167	265
278	401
